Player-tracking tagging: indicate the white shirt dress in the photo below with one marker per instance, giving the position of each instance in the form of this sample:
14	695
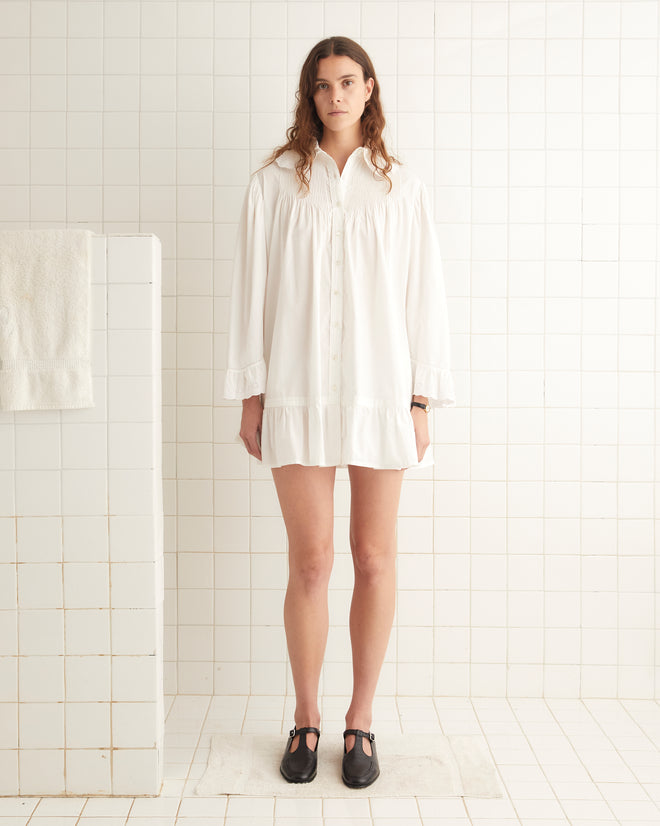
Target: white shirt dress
338	313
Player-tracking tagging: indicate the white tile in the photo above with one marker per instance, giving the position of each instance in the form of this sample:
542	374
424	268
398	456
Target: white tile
88	725
252	807
84	492
87	678
256	821
52	807
397	821
296	808
37	492
394	807
154	807
158	19
202	807
38	539
133	584
340	807
268	19
133	631
39	586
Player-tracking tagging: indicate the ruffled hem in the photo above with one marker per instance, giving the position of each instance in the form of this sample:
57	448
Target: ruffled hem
436	383
331	435
249	381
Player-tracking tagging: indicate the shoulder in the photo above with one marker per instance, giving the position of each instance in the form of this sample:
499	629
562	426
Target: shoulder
272	173
409	177
410	185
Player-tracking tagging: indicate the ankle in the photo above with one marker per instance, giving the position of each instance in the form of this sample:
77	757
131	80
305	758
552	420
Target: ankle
302	720
362	723
359	721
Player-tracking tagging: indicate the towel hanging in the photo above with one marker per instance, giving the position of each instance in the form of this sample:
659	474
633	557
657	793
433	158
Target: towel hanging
45	340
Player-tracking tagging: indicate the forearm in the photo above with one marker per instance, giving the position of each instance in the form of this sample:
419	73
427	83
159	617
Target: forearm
421	399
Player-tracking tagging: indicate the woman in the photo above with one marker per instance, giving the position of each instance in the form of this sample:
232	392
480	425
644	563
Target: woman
338	318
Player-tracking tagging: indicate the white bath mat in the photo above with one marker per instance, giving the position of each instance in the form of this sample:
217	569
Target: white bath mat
412	765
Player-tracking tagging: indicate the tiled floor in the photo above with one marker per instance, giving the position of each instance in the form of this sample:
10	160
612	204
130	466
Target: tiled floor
579	762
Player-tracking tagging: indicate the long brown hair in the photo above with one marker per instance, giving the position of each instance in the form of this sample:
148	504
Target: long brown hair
307	128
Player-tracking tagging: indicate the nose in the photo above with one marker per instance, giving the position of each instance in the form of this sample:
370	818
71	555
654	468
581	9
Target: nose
336	95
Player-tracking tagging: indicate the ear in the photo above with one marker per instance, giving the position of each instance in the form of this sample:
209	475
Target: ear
370	87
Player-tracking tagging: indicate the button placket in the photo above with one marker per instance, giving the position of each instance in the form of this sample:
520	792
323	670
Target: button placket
336	297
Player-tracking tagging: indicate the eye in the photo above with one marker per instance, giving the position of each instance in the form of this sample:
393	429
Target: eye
348	82
321	85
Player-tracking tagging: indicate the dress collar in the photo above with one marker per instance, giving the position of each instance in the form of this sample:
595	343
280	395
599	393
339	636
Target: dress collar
288	159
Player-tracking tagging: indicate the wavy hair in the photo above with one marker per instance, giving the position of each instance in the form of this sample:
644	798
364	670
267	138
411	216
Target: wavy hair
307	128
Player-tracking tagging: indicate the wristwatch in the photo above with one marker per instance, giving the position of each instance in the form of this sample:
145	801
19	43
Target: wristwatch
426	407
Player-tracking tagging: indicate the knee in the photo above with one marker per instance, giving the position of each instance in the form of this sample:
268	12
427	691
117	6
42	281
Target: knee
311	568
372	562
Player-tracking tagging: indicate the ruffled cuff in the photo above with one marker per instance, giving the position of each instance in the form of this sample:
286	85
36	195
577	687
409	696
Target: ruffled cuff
249	381
436	383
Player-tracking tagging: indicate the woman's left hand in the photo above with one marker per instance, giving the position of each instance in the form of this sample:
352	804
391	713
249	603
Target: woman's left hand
421	422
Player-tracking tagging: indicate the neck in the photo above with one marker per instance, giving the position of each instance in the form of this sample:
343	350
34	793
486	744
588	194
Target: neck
340	145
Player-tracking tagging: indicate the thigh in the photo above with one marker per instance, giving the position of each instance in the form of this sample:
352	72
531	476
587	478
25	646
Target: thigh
375	497
306	496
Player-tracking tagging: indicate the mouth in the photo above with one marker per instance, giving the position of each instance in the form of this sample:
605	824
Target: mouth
337	113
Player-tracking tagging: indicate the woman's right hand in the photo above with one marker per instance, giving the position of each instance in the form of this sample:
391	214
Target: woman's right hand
251	419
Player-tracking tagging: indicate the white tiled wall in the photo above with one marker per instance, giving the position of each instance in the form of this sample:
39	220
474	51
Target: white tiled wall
81	557
528	564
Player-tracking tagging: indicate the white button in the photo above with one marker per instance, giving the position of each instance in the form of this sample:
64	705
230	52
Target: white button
334	357
336	292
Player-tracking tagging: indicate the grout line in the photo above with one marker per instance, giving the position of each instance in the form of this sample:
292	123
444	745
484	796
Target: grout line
67	40
469	554
139	119
250	458
106	244
107	492
396	626
580	703
507	452
615	748
209	703
14	423
214	372
30	113
435	631
65	615
174	492
619	406
656	572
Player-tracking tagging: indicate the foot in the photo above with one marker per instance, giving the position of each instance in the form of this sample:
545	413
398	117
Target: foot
299	765
359	769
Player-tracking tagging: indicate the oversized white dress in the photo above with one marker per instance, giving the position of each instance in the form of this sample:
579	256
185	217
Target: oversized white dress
338	313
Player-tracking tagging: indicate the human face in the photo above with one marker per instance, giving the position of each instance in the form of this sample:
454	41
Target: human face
341	93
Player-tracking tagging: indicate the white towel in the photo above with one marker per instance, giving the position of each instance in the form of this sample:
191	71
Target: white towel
45	296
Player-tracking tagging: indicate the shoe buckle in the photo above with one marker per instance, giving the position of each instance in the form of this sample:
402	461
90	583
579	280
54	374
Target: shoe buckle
292	732
372	736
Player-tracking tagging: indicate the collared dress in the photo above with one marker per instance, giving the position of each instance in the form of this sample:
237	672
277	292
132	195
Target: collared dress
338	313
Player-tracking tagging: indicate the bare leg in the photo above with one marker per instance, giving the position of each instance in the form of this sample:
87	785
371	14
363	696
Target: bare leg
375	496
306	496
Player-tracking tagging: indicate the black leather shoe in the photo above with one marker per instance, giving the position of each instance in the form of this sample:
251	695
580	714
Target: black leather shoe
359	769
299	766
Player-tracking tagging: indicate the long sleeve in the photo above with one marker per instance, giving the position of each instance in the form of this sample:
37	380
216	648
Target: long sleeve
426	312
246	367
